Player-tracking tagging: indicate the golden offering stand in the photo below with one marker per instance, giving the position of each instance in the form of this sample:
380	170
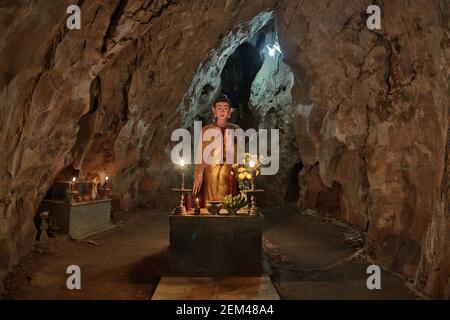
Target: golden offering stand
253	210
180	209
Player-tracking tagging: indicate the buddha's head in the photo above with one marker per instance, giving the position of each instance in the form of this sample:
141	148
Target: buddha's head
222	109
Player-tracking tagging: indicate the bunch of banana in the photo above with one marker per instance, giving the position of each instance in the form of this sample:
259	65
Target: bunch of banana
234	202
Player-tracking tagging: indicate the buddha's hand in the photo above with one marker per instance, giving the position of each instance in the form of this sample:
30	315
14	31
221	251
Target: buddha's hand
197	184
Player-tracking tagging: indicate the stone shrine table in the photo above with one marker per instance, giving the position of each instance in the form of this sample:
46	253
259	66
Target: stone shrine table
215	244
82	219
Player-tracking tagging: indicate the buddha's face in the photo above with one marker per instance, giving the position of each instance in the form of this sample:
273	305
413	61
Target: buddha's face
222	111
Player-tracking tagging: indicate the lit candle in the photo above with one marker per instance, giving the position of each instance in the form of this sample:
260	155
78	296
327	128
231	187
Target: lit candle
196	203
106	180
72	184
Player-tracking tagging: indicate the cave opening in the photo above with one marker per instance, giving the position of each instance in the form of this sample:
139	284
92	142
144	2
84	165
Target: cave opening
237	77
293	185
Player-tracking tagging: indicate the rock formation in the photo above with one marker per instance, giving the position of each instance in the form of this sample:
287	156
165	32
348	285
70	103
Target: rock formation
372	114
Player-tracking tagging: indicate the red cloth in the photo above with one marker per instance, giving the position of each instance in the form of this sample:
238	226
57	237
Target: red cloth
201	197
188	201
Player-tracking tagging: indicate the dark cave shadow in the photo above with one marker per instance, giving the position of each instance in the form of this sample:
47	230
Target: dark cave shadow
277	215
150	269
147	271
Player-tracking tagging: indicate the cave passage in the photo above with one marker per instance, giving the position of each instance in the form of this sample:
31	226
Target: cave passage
237	78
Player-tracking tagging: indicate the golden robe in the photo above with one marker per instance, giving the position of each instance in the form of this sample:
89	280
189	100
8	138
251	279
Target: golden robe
217	177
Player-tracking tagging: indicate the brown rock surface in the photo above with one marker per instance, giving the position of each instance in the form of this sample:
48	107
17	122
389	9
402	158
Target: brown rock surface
371	110
384	137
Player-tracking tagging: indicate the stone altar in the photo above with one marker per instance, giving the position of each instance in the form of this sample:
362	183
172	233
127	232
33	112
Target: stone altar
215	244
81	219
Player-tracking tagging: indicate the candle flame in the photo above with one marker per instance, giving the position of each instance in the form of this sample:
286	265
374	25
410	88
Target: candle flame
74	179
106	178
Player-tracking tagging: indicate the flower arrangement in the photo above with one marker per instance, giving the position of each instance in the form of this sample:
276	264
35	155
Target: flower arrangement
246	170
244	178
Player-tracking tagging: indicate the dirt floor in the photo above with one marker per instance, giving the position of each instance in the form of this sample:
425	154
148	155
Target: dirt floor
310	257
316	257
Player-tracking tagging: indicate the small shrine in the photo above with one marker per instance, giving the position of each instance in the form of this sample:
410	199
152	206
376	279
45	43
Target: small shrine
78	207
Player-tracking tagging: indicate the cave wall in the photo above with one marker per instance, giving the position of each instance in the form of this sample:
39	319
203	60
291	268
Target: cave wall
371	110
372	119
271	103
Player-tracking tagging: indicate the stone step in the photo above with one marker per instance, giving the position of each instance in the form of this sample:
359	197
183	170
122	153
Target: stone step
215	288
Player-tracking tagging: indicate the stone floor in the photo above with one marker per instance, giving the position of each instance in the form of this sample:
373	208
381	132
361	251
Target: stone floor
226	288
309	260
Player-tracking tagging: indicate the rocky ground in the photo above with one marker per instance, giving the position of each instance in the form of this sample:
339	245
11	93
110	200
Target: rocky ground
311	258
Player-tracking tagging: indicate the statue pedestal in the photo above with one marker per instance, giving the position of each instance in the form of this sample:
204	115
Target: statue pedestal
215	245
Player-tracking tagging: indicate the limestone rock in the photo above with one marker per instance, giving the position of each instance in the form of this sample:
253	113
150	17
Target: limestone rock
384	138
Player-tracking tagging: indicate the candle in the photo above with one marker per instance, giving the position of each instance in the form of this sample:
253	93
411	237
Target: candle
182	163
197	207
106	180
72	184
